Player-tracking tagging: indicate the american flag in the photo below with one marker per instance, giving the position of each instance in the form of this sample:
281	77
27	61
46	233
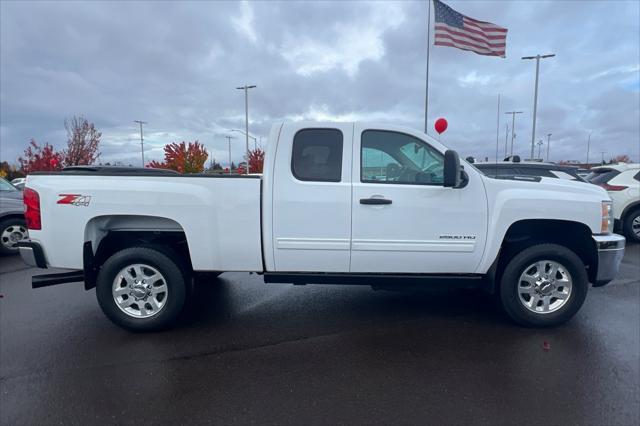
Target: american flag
453	29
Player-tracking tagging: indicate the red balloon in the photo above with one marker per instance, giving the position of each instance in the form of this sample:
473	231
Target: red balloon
441	125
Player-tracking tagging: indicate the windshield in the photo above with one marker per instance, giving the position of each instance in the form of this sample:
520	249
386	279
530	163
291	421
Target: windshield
6	186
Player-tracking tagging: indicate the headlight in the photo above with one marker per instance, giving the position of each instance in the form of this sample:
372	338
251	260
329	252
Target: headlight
606	226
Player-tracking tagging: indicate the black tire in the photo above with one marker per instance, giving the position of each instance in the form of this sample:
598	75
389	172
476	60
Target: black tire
7	224
627	226
509	285
176	279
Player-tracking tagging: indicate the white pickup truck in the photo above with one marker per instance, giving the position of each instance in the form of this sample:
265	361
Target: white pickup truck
338	203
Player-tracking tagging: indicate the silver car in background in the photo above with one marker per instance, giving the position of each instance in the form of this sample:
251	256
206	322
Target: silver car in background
13	227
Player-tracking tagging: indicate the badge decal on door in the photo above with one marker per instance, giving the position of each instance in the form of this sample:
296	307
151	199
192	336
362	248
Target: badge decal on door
457	237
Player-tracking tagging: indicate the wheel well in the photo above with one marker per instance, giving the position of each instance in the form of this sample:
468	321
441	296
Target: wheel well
11	216
575	236
107	235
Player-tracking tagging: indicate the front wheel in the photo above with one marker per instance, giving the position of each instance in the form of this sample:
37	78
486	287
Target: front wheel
141	289
543	286
631	226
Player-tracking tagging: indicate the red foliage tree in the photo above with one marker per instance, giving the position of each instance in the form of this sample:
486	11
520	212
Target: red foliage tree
183	157
256	160
624	158
37	158
83	141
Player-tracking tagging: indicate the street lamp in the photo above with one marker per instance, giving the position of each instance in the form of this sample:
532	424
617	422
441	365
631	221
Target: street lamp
513	126
141	139
246	118
540	143
255	140
229	139
548	144
588	146
535	95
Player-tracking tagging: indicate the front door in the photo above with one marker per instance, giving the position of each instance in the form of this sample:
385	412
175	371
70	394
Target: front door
404	219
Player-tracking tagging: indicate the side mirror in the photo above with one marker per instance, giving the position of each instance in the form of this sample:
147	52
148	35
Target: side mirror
452	169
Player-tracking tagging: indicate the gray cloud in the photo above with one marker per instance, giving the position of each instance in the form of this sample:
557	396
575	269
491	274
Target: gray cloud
176	65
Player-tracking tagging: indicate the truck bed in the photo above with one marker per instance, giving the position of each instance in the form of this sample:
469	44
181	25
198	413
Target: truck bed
219	214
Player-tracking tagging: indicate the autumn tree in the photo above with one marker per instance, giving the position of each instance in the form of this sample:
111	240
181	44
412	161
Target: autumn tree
256	160
624	158
40	158
183	157
83	142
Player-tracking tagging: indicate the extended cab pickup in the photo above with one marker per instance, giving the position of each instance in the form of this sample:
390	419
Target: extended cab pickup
339	203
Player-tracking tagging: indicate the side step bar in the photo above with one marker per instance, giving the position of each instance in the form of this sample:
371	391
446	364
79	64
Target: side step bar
46	280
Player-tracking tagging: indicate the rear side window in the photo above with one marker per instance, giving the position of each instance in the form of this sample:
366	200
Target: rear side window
317	155
603	176
637	177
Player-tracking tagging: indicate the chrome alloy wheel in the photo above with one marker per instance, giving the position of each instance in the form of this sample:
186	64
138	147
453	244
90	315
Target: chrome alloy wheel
12	234
140	290
544	286
635	226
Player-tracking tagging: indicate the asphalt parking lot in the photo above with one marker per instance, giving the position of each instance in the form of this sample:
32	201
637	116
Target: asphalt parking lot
250	353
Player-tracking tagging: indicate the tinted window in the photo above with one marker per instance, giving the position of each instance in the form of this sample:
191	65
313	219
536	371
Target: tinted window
637	176
6	186
317	155
391	157
601	176
534	171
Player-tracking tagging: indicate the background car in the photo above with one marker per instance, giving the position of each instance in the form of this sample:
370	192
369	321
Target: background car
13	227
622	182
510	169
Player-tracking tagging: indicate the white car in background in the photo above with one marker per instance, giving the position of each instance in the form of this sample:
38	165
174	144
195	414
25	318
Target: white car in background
622	182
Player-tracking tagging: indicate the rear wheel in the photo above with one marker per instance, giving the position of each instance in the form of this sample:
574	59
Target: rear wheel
543	286
12	230
631	226
141	289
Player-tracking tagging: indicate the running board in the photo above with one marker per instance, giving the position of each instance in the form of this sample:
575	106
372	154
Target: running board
381	281
46	280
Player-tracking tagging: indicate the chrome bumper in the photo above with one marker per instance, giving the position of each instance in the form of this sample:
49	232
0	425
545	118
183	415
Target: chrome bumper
32	254
610	254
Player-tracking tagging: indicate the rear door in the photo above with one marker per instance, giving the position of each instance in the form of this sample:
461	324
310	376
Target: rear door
404	219
312	199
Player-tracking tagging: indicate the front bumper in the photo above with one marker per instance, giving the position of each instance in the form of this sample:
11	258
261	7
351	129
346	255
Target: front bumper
610	254
32	254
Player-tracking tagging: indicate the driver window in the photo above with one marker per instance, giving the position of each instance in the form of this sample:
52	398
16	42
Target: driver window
391	157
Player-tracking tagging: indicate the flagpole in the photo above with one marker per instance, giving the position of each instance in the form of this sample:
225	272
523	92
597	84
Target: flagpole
498	129
426	98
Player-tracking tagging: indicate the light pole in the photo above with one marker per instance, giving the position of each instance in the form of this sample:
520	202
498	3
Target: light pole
229	139
246	118
255	140
588	146
548	144
141	138
540	143
535	94
603	153
506	139
513	126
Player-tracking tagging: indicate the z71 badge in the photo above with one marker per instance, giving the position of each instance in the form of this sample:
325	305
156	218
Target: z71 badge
74	199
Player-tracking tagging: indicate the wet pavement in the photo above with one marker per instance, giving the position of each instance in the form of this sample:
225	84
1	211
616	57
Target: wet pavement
251	353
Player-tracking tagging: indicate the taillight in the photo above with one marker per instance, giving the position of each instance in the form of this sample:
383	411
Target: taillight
608	187
32	209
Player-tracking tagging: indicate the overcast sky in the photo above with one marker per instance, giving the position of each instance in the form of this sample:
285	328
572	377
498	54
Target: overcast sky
176	66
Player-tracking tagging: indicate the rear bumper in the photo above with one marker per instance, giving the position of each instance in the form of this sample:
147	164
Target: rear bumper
32	254
610	254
